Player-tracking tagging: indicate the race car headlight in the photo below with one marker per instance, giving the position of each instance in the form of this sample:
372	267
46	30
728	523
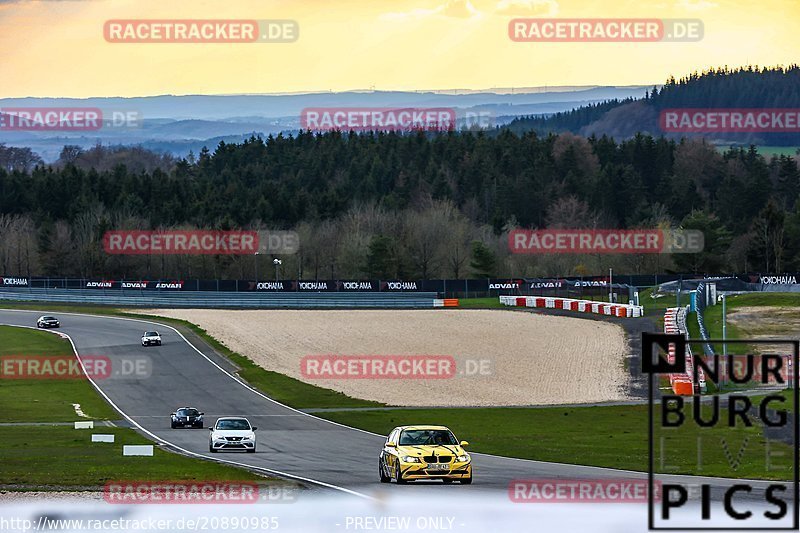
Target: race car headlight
251	436
218	437
462	458
410	459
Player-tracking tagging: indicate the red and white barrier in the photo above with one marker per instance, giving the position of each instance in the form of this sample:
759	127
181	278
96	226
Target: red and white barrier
682	384
571	304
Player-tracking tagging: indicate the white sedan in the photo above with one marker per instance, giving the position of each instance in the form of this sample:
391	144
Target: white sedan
150	338
232	433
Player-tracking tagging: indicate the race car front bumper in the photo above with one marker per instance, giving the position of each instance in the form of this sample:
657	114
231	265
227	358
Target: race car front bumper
456	470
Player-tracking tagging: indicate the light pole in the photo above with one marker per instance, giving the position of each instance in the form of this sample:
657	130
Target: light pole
277	262
610	286
255	261
724	337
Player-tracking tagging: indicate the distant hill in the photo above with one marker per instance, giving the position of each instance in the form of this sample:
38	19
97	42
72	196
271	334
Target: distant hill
749	87
177	124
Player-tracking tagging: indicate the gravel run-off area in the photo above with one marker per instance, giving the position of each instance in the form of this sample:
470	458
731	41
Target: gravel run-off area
501	357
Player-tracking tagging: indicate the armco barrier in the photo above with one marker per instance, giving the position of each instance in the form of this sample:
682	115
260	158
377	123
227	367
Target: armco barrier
683	328
700	300
232	300
570	304
573	287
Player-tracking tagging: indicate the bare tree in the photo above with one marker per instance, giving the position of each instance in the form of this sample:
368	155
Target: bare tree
700	164
573	152
570	212
69	154
20	159
425	231
18	245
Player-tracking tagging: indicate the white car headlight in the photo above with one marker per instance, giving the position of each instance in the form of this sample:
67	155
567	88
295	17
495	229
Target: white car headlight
409	459
462	458
251	436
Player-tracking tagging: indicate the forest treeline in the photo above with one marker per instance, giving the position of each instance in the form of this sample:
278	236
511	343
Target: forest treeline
415	205
743	87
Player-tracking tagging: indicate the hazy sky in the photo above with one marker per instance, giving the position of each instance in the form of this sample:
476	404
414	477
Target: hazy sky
57	48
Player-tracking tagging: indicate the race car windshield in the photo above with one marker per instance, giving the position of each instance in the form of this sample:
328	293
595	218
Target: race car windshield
188	412
427	437
151	334
48	318
233	424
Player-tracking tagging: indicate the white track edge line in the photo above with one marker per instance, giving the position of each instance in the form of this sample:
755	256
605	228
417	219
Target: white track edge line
259	393
188	452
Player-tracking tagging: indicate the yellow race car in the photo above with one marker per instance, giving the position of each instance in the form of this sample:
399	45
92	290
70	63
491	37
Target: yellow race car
424	452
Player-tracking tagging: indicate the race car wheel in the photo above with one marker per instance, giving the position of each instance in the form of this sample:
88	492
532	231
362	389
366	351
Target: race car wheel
158	343
384	477
398	477
173	426
211	449
466	480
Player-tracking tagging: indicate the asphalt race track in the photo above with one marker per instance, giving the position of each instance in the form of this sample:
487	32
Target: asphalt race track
326	455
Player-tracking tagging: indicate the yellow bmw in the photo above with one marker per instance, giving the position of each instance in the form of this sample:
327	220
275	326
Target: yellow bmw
424	452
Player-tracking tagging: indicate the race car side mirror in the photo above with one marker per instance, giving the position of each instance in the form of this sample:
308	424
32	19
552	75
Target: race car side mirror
202	414
173	414
254	428
391	445
464	443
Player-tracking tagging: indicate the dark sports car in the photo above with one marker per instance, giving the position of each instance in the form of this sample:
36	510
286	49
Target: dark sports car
186	417
48	322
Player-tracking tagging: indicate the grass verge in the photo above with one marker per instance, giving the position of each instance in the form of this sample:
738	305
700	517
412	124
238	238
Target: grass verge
481	303
656	307
43	400
277	386
606	436
59	456
713	317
